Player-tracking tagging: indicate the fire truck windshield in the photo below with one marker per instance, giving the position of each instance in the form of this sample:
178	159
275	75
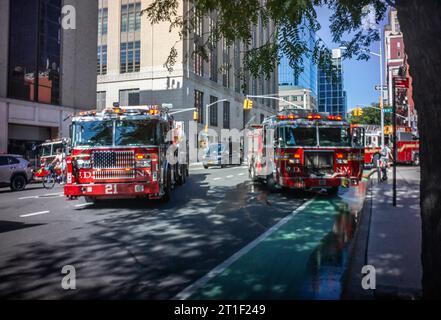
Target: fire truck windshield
92	133
298	136
334	137
136	132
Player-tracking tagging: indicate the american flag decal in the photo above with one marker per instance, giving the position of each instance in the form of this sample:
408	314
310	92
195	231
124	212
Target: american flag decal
113	159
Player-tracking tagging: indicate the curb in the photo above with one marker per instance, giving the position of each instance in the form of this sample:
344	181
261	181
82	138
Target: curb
352	289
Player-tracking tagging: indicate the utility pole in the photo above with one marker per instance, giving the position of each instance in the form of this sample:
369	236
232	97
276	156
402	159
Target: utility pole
394	139
381	91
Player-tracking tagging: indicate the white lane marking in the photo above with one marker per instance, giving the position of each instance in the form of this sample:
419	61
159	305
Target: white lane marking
241	174
215	179
59	194
54	194
82	205
230	176
31	197
191	289
33	214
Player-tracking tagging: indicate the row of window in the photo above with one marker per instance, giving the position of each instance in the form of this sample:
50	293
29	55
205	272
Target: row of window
213	110
130	58
130	18
131	97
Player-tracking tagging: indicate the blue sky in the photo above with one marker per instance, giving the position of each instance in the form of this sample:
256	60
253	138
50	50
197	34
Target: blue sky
360	77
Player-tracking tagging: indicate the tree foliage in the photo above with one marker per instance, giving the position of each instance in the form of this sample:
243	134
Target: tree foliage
234	20
371	116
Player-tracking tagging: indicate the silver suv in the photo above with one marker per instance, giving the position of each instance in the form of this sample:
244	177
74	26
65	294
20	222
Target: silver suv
15	171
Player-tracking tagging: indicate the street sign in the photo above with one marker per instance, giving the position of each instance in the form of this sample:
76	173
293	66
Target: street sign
387	110
378	88
401	82
167	105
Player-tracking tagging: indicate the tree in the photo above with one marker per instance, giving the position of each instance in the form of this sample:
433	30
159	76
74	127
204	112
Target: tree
371	116
420	22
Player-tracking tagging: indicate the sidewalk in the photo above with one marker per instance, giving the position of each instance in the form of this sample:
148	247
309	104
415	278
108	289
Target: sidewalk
389	239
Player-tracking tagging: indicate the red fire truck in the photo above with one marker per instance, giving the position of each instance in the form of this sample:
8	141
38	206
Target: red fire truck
408	147
125	153
300	149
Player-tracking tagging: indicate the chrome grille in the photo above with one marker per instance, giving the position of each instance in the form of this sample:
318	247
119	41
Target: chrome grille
113	159
319	162
113	174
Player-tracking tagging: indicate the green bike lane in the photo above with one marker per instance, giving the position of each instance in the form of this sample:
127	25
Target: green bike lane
304	256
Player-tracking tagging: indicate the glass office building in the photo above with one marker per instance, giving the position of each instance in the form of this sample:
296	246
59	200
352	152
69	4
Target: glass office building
331	93
307	79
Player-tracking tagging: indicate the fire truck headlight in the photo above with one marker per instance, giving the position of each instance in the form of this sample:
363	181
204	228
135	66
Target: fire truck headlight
342	161
83	164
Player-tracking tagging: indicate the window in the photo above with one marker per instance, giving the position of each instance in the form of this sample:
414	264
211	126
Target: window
129	97
226	115
130	17
199	105
130	57
213	111
101	100
34	51
262	117
102	21
102	60
226	64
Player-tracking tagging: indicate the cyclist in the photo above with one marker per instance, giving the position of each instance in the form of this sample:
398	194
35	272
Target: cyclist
58	163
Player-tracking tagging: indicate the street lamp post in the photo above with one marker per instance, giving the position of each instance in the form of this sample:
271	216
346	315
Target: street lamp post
380	55
275	98
206	110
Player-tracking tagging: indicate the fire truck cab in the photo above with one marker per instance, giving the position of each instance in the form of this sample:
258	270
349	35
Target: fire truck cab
123	152
301	149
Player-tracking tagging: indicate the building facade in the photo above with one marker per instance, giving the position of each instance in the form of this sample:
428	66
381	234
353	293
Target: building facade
131	57
47	72
300	89
396	58
297	96
331	94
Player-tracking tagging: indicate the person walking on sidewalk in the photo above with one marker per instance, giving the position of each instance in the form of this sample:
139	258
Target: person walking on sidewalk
384	163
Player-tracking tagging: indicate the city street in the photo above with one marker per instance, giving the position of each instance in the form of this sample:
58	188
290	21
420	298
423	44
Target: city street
150	250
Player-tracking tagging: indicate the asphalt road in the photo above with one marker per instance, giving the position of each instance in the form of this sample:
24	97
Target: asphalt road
132	249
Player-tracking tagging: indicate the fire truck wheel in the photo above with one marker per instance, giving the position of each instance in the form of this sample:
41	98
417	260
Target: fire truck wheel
181	176
90	199
271	183
167	188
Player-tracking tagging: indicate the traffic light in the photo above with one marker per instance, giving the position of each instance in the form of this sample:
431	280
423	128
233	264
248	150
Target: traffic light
387	110
195	116
357	112
247	104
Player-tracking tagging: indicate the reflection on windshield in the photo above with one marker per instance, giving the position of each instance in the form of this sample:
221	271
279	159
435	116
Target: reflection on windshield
93	133
334	137
136	133
306	137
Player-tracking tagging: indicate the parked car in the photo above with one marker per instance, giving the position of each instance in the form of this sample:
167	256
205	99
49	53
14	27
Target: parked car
218	154
15	171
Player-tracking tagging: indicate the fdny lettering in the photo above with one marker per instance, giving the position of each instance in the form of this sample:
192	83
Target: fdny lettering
85	175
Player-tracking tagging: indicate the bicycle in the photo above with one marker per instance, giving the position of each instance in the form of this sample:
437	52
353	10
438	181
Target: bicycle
50	176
